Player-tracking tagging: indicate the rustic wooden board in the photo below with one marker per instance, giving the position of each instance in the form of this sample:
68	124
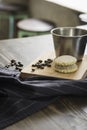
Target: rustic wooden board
49	71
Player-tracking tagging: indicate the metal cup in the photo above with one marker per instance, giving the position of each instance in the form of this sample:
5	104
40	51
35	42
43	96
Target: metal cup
69	41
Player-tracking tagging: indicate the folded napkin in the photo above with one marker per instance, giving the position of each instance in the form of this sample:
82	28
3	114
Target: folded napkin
22	97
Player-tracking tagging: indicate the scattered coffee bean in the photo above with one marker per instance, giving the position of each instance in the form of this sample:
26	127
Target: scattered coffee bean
20	64
33	65
40	64
46	61
13	61
7	66
43	64
15	65
18	68
48	65
49	60
40	61
41	67
33	70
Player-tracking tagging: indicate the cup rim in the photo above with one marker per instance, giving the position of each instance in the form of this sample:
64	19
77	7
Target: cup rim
52	32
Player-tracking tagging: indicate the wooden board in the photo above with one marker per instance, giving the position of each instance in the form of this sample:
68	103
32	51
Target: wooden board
49	71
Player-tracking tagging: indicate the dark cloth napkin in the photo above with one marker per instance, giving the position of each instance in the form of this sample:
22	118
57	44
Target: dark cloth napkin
20	98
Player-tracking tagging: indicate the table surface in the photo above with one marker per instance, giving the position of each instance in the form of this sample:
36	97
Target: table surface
78	5
68	113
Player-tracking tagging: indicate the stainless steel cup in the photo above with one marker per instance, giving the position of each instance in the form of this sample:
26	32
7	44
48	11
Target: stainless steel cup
69	41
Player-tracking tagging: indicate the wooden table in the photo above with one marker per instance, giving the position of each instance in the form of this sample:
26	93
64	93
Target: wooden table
66	113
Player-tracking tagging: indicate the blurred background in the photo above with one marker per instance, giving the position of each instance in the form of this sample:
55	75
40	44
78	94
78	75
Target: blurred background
13	11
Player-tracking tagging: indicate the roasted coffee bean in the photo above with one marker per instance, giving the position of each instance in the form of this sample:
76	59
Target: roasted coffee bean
16	67
33	70
33	65
20	64
38	66
43	64
40	61
20	69
13	61
48	65
49	61
41	67
7	66
12	64
45	61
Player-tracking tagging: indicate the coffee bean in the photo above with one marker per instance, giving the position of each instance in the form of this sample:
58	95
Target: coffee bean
20	69
38	66
20	64
41	67
43	64
33	65
13	61
40	61
48	65
49	61
45	61
7	66
33	70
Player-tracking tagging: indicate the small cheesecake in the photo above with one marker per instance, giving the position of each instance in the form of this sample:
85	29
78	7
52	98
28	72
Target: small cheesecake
65	64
